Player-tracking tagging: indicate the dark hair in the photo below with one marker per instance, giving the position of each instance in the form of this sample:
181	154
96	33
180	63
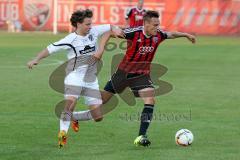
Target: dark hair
150	14
79	15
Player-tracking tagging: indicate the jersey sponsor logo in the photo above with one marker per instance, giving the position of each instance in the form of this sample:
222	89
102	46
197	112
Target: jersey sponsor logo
138	17
146	49
87	49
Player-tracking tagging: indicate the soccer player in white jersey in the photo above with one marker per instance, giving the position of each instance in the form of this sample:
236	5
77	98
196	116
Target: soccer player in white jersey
81	43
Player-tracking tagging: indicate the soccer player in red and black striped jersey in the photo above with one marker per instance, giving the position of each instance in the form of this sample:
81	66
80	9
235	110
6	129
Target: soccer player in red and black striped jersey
134	69
134	16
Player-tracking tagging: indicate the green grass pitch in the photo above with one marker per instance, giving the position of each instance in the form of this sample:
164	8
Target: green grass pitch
205	100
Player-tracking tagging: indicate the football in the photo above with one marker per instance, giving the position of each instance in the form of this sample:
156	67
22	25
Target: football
184	137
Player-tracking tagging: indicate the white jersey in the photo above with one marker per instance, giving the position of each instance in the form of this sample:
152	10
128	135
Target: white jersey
77	45
77	80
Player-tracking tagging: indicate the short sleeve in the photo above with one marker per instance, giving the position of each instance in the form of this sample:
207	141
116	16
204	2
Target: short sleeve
129	12
164	34
101	29
62	44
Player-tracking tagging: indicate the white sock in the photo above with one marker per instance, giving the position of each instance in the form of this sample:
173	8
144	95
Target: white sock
82	115
65	121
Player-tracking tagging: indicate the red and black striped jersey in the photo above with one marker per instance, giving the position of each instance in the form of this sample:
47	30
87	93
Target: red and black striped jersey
135	17
140	50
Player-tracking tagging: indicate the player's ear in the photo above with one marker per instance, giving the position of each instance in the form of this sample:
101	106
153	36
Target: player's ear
78	24
147	21
144	23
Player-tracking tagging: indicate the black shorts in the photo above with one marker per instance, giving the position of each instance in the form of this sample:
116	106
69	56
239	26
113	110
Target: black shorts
120	80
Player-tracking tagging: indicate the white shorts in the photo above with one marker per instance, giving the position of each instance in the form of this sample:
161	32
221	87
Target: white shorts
80	84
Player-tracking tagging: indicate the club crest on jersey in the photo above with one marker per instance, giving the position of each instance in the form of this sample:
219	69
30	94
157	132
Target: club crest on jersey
37	12
90	37
155	39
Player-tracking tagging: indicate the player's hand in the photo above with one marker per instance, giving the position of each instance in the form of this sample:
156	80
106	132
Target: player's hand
30	64
93	59
191	38
98	55
118	32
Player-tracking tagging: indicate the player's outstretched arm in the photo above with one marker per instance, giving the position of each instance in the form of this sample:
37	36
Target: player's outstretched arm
173	35
43	54
117	31
103	41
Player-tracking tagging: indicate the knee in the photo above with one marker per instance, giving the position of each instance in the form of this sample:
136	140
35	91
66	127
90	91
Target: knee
71	100
70	103
150	100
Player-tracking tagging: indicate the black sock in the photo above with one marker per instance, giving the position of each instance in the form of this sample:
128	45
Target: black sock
146	118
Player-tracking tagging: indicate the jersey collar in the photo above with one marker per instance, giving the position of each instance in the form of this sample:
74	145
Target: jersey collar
139	10
81	35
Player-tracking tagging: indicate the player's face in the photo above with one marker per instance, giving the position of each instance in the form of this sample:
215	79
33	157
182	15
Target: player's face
151	26
85	26
140	4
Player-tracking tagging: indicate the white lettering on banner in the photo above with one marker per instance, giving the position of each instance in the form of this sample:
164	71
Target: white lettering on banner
59	11
179	15
214	16
125	10
67	13
114	11
14	12
102	15
190	16
225	17
236	20
95	10
202	16
104	12
64	12
9	11
3	12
